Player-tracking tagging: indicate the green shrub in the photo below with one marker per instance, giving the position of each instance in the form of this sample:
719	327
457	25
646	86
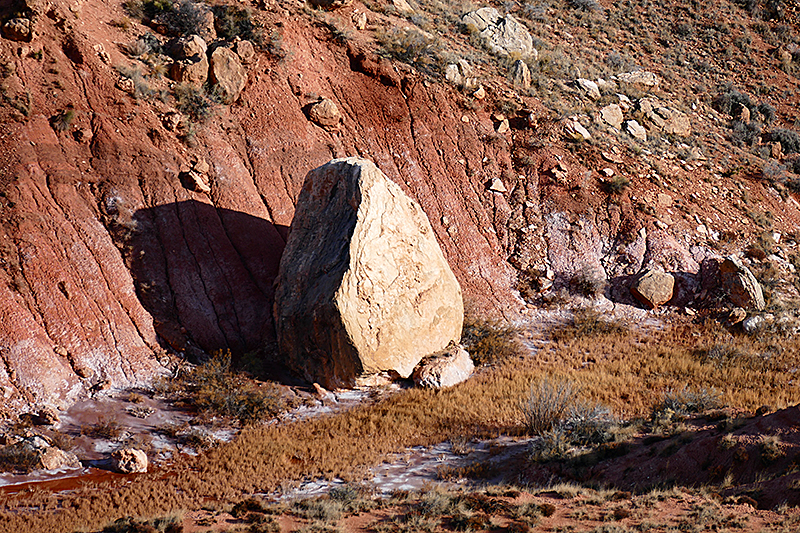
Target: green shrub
617	184
489	341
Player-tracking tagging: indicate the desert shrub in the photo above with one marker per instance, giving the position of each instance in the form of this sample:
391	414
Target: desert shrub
323	509
18	458
489	341
771	449
465	520
187	17
745	133
689	400
146	44
588	282
214	388
616	185
104	428
147	9
548	403
726	101
231	22
790	140
62	121
435	503
590	423
766	111
553	444
412	47
587	323
586	5
193	102
141	89
130	524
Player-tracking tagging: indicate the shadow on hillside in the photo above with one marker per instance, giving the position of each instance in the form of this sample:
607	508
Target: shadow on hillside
206	276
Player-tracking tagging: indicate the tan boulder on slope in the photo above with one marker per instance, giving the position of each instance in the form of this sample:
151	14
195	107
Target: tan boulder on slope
363	286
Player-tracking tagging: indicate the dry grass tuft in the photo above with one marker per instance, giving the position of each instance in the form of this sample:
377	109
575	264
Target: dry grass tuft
489	341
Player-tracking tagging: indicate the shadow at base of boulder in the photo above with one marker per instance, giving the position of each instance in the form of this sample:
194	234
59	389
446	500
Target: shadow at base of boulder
206	276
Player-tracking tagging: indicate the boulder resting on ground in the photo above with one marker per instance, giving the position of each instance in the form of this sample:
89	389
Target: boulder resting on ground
129	461
503	36
742	286
449	367
654	288
363	286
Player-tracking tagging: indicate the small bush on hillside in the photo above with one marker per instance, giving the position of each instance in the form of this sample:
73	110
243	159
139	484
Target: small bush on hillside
141	89
588	282
62	121
147	9
412	47
729	97
616	185
193	102
187	17
104	428
587	323
745	134
231	22
146	44
586	5
790	140
489	341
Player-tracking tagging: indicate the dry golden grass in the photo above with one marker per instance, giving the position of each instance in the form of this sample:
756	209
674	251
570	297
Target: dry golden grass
626	370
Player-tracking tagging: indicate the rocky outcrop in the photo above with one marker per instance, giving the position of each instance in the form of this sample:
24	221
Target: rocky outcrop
667	119
363	285
636	130
325	113
612	115
503	36
227	74
129	461
521	75
653	288
444	369
740	283
55	459
18	29
191	63
640	79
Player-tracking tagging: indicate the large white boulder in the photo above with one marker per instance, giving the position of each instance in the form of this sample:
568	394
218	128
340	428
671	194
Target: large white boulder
363	286
503	35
